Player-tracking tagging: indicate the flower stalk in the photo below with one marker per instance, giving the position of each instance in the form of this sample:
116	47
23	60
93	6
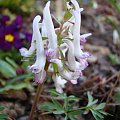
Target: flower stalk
35	102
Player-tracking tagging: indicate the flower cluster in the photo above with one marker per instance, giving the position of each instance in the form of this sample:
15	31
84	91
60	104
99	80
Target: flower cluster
65	53
12	33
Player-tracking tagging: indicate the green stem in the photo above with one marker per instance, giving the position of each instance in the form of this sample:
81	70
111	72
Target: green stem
38	93
39	90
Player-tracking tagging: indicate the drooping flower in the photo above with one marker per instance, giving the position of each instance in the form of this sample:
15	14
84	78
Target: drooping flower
71	61
64	73
76	32
38	66
59	83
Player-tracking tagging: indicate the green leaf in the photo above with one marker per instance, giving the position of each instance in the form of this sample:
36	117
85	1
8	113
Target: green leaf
55	67
1	108
66	103
114	59
67	15
11	62
3	116
58	105
59	112
6	69
72	117
17	78
117	97
115	5
17	86
90	98
92	103
54	93
100	106
104	113
72	97
48	106
76	112
97	115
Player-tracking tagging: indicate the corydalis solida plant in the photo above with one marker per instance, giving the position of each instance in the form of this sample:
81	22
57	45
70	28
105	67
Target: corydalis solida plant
68	55
61	49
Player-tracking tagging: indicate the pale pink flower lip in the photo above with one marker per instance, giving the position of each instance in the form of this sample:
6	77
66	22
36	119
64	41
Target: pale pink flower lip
39	77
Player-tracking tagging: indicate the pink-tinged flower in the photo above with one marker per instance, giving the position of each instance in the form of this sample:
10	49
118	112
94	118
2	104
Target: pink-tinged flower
71	61
51	53
76	32
64	73
52	37
38	66
36	44
59	83
68	56
40	77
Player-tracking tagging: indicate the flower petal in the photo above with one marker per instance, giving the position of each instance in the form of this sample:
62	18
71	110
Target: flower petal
50	27
40	77
70	55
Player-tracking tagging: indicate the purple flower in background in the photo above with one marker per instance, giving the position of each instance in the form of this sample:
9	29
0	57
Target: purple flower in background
12	34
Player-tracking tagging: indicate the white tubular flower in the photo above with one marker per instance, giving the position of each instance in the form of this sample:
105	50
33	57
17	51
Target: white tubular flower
38	66
59	83
26	53
44	29
40	77
63	48
66	74
84	36
75	3
72	63
70	55
76	32
50	27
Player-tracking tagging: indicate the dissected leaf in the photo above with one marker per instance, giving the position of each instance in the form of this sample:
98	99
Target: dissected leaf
100	106
76	112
